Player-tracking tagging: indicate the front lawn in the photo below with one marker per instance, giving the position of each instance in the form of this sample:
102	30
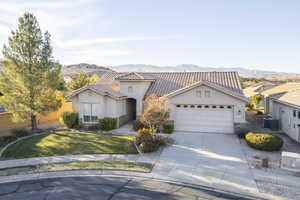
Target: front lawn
70	143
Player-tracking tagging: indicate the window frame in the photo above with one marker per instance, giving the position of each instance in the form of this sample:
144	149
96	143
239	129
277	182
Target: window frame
92	118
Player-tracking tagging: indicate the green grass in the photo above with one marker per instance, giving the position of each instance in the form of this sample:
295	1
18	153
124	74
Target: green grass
70	143
80	165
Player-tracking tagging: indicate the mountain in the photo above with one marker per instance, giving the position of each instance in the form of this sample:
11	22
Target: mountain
244	72
69	70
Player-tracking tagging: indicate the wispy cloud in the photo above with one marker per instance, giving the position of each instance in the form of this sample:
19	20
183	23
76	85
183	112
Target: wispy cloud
85	42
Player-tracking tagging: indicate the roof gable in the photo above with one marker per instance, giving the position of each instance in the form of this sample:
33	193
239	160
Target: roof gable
99	89
211	85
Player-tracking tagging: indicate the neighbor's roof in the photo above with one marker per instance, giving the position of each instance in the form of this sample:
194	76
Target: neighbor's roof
286	87
258	88
100	89
291	97
168	82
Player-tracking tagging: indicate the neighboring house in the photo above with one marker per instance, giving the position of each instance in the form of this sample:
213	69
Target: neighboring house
283	88
198	101
286	108
258	88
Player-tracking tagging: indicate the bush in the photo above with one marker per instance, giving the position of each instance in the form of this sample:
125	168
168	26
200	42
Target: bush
93	128
77	126
168	128
249	107
148	141
264	141
70	119
241	132
137	125
108	123
259	112
20	132
5	140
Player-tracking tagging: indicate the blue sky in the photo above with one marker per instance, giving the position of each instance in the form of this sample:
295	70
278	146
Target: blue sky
257	34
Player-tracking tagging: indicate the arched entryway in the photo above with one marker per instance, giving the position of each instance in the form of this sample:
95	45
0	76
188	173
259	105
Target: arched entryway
131	102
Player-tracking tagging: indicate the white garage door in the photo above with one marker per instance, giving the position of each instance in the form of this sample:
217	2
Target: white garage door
204	118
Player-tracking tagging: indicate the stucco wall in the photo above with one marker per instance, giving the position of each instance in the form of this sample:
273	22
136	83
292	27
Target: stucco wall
107	106
139	89
216	98
288	123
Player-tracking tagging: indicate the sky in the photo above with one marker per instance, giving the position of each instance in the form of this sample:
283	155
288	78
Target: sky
256	34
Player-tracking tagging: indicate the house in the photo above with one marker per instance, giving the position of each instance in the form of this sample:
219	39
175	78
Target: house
283	88
285	107
258	88
197	101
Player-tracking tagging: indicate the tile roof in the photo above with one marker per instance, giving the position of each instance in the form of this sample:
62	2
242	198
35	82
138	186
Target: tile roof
286	87
99	88
258	88
131	76
167	82
292	97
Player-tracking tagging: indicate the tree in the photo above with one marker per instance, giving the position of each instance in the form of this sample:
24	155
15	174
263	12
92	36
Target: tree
81	79
256	99
155	112
30	77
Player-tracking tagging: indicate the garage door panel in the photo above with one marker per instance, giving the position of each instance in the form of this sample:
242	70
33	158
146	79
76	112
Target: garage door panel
218	120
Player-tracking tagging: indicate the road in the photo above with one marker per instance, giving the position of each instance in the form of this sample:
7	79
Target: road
103	188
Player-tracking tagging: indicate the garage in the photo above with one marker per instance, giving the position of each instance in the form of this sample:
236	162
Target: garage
204	118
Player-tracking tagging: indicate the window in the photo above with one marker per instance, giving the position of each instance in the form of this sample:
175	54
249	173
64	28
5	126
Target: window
90	113
199	106
178	106
130	89
214	106
192	106
185	106
298	114
198	93
207	94
207	106
221	106
229	107
294	113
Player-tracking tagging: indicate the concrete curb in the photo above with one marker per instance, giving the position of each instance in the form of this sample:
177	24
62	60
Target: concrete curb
121	174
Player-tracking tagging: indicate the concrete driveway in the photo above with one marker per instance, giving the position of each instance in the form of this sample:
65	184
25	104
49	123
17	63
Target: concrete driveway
213	160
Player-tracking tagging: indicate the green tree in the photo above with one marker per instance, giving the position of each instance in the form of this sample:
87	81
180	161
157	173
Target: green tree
31	77
82	79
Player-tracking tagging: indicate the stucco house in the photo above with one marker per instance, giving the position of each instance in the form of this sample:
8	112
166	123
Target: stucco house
198	101
285	107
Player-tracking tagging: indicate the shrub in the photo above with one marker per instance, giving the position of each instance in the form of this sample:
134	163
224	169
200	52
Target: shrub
5	140
93	128
168	128
20	132
249	107
137	125
70	119
77	126
264	141
259	112
241	132
108	123
148	141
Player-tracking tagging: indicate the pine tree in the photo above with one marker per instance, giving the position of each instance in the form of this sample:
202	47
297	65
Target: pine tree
31	76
